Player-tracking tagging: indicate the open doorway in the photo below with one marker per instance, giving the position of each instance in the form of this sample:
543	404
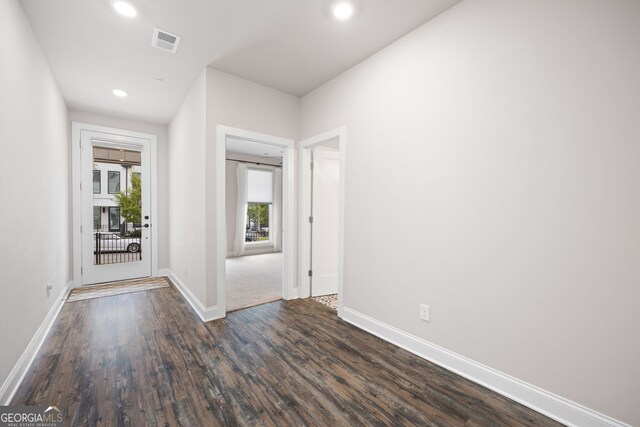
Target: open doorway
255	192
254	223
322	232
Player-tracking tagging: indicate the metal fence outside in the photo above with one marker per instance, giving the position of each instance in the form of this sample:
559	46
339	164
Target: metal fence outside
112	247
256	235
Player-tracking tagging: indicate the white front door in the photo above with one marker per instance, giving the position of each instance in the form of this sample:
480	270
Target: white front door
325	206
116	207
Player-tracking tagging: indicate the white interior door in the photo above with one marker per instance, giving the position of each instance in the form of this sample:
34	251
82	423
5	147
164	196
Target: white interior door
116	237
325	207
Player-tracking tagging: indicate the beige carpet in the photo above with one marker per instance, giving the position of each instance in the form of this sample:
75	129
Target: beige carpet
330	301
117	288
253	280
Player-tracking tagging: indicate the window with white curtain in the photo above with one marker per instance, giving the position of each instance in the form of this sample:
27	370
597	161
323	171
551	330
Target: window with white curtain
259	207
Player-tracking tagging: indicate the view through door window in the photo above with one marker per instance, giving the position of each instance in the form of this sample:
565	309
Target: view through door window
117	206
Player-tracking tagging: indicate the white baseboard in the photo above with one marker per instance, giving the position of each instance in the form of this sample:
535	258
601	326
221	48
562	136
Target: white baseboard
292	294
206	314
556	407
17	374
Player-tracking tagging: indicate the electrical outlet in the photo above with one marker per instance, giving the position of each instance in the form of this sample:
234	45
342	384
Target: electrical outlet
424	312
49	288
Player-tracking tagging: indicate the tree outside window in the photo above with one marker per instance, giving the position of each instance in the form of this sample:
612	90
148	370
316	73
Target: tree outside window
258	220
130	203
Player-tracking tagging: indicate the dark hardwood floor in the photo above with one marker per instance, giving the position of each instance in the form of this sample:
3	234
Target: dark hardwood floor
146	359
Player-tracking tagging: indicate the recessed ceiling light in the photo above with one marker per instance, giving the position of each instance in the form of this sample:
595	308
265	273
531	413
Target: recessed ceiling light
342	10
119	93
159	80
125	8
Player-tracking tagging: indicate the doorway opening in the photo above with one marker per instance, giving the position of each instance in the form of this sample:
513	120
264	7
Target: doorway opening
322	160
113	204
256	185
254	223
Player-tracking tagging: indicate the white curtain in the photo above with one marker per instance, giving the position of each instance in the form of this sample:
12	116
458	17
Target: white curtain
241	210
277	210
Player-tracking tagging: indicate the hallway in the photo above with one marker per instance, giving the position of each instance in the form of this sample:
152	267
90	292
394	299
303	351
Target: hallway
463	174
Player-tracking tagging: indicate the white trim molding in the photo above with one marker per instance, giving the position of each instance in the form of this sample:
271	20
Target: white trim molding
304	159
549	404
289	288
17	374
294	294
76	133
206	314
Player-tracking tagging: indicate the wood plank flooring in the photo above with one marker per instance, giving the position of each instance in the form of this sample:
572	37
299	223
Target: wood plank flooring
145	358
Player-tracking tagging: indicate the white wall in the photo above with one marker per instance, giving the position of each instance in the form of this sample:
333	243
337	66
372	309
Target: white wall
34	187
495	153
186	190
161	131
239	103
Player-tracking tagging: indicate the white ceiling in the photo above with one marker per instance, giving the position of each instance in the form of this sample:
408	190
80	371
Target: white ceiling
241	146
290	45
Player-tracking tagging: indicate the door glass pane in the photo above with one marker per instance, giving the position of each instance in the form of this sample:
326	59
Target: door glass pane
117	214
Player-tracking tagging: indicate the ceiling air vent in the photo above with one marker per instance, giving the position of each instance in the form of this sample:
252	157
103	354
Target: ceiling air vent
165	40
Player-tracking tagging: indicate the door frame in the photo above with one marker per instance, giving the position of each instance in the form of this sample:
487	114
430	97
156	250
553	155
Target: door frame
76	163
304	158
288	209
